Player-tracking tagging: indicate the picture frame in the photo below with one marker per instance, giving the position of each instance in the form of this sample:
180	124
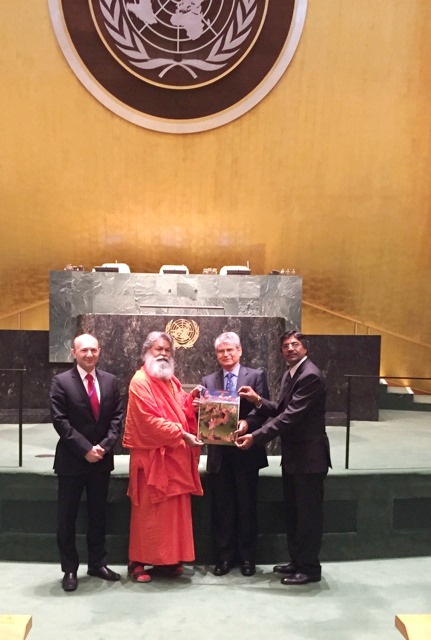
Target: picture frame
218	417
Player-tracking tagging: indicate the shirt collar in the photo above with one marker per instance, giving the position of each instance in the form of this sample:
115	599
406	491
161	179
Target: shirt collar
235	371
83	373
293	369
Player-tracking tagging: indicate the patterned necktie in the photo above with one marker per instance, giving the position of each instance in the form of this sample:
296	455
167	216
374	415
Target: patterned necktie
92	393
229	381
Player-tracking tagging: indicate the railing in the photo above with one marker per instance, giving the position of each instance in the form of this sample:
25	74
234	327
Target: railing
20	409
349	398
370	327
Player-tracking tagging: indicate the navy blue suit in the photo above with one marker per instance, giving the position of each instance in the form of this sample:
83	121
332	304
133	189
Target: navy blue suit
79	431
298	417
233	476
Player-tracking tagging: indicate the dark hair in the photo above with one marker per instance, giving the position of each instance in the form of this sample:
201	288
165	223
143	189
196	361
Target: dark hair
296	334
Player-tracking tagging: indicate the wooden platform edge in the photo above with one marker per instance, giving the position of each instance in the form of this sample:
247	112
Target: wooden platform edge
414	626
14	627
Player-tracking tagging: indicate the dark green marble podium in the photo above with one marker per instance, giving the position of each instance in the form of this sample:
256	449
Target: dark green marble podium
75	293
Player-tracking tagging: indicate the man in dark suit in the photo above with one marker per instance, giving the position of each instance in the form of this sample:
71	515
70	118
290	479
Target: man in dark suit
233	474
298	417
86	412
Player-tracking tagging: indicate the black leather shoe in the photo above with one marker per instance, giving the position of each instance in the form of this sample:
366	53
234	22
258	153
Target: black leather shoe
248	569
69	582
288	569
105	573
299	578
222	568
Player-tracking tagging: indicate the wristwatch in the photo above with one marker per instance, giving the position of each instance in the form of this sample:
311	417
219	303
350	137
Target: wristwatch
259	402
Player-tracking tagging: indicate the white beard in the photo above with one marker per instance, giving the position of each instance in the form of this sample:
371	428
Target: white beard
160	367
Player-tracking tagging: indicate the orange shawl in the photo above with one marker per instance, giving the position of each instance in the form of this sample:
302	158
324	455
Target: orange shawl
156	419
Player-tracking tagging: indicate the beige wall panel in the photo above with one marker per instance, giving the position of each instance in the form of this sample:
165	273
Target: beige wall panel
399	356
36	318
33	319
316	321
402	358
329	174
10	323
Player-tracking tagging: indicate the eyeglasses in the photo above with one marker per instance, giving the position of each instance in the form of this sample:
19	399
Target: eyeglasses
294	345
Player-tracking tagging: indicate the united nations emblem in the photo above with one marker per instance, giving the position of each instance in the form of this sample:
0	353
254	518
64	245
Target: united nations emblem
184	332
178	65
179	43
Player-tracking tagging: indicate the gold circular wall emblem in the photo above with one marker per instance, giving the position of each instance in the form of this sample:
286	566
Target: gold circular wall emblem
179	66
184	332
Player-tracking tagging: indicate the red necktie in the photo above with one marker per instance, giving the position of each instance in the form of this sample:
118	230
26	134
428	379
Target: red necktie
94	400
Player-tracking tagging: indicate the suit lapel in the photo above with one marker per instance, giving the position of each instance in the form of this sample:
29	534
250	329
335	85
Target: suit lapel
284	387
288	384
102	388
219	381
242	377
83	391
80	385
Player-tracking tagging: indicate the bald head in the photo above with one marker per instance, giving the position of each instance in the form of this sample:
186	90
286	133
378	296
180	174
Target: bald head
85	350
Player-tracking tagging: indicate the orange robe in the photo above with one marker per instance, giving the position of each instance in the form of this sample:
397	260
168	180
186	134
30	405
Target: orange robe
163	470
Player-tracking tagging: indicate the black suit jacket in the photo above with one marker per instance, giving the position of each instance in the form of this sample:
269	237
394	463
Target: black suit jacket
74	421
298	417
256	456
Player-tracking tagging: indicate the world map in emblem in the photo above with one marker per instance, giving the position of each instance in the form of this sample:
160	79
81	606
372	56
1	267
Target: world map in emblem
188	15
179	43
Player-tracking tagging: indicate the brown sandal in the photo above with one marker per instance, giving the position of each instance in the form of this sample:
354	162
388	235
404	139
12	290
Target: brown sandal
137	572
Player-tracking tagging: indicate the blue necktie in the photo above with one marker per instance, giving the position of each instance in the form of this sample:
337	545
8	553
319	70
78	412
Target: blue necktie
229	381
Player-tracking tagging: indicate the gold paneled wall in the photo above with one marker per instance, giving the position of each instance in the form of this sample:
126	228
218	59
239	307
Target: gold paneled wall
328	175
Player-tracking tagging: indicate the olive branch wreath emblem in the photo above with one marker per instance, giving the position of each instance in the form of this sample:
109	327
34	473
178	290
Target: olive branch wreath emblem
226	46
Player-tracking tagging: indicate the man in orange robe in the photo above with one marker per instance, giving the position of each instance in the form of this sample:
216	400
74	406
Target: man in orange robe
160	433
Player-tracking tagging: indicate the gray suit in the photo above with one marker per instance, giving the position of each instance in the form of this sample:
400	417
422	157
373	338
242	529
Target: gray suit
233	476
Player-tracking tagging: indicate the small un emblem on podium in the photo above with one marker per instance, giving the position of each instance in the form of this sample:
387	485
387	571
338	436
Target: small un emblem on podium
183	331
